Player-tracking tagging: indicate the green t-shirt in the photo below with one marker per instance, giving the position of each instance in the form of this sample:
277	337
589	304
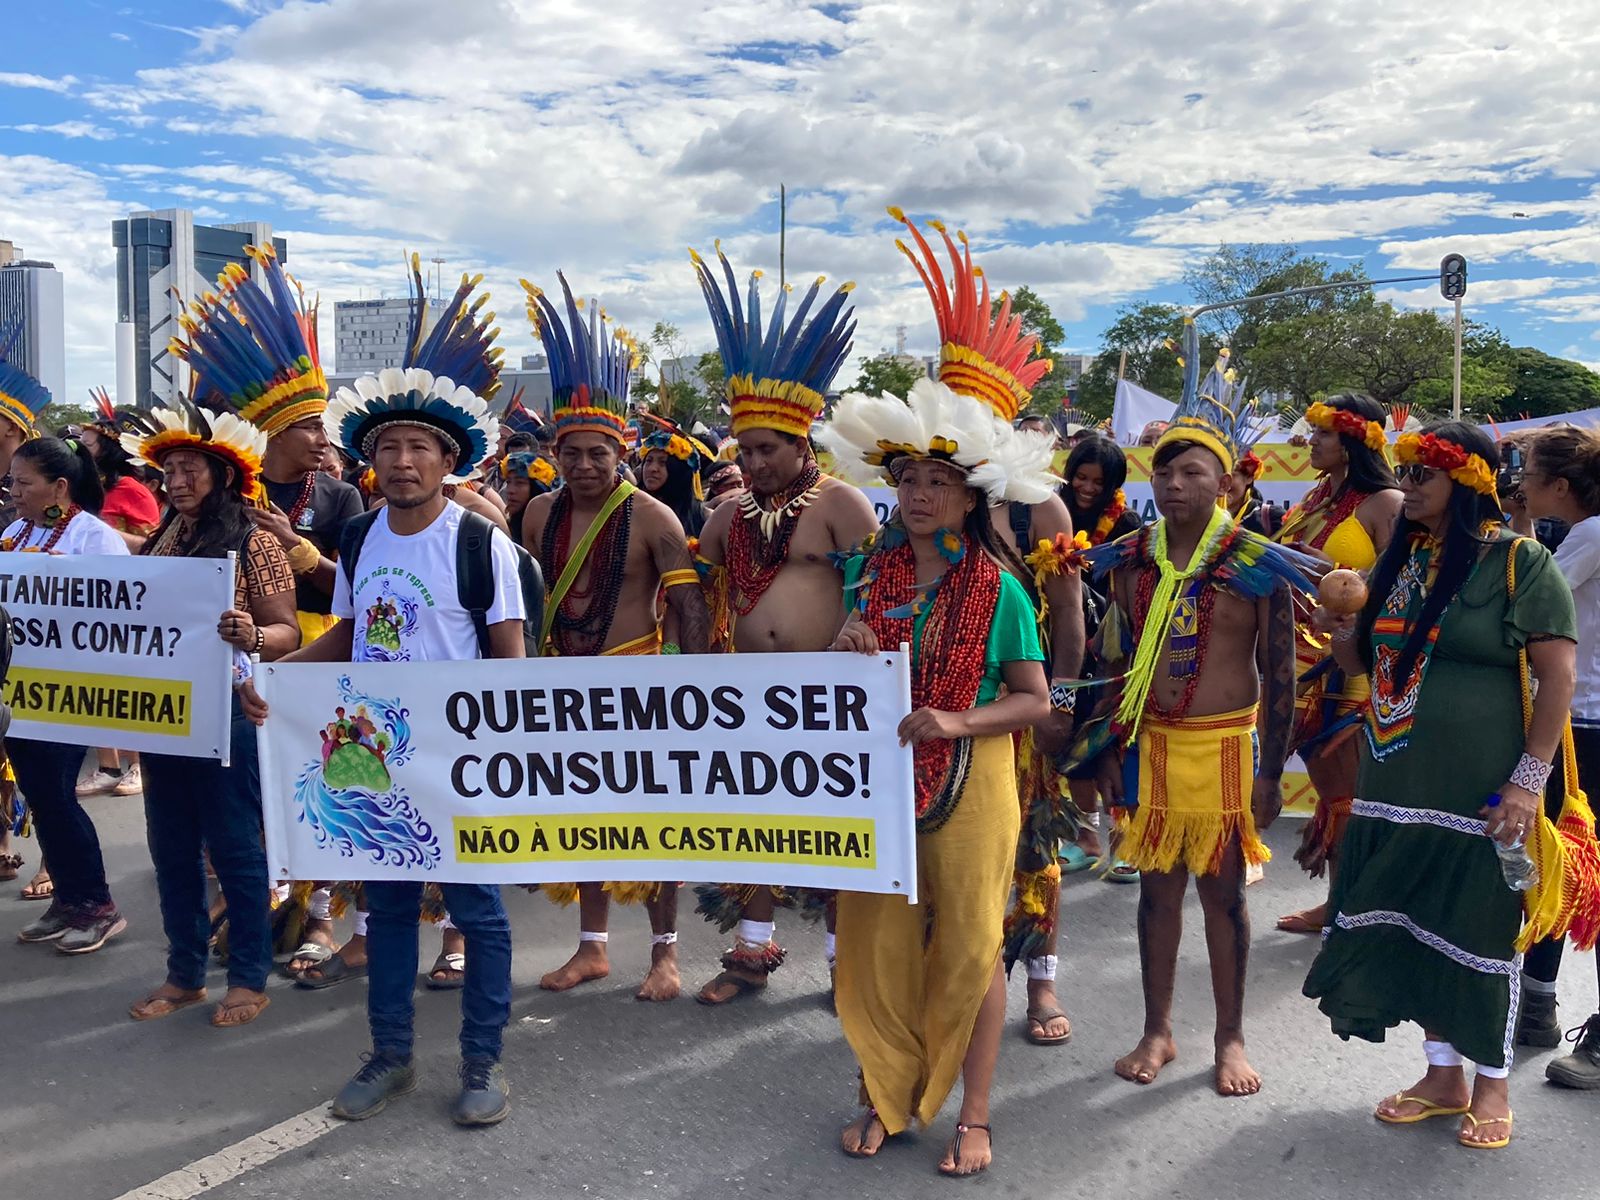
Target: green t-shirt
1013	635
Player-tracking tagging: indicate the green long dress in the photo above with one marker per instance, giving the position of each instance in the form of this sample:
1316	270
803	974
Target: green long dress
1421	923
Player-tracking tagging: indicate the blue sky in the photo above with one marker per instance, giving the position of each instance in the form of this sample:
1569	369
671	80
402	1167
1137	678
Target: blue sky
1091	148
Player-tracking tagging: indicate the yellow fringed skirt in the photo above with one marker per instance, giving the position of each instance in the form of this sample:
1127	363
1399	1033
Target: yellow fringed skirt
1195	780
911	978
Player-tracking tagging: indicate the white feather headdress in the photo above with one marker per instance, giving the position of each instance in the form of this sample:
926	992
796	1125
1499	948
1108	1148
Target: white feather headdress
868	434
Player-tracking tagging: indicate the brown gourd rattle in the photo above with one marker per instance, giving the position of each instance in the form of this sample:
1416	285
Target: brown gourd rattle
1342	592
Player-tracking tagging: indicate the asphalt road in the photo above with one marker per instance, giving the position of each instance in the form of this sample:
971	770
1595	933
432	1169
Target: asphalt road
614	1098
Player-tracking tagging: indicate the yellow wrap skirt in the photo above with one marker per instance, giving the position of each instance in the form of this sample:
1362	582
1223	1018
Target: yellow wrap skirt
911	978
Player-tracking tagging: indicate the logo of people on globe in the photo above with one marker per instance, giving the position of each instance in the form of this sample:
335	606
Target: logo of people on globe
349	796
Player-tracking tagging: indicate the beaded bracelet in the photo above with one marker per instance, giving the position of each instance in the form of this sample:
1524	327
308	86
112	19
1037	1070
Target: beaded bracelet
261	640
1531	774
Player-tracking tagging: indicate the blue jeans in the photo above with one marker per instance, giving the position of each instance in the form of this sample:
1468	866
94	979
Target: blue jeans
47	777
195	802
392	920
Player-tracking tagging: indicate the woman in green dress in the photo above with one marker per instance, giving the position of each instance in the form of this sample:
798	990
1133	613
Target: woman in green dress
1422	922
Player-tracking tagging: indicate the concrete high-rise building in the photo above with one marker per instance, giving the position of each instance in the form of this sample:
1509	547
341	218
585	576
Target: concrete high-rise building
159	253
9	252
369	335
30	292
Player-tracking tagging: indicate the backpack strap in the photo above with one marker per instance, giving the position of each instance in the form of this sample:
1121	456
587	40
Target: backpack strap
351	538
475	573
1021	516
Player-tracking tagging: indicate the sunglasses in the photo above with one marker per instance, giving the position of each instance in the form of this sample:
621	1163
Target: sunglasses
1415	472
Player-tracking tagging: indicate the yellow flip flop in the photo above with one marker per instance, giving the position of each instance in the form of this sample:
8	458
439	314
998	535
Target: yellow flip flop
1498	1144
1429	1110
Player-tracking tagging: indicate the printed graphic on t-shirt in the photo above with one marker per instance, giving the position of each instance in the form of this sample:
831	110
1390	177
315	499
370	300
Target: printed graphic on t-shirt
390	620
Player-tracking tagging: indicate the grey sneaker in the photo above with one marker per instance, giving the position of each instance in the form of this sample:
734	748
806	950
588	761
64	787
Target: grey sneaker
86	939
381	1078
1581	1068
485	1097
47	928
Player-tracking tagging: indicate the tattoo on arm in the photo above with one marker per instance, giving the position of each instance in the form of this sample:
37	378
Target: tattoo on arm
1277	673
687	603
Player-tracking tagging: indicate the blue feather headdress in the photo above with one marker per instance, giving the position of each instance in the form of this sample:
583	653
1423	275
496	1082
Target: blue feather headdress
22	397
446	384
777	376
1204	417
591	364
253	349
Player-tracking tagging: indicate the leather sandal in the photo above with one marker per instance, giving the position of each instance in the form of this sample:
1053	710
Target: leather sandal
955	1153
155	1006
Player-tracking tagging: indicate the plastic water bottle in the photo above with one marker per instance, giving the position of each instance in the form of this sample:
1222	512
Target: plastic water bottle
1516	867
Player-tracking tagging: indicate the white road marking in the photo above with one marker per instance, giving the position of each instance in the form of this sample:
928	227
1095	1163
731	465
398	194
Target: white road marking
232	1161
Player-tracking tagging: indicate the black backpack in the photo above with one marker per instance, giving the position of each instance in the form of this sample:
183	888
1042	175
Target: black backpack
474	575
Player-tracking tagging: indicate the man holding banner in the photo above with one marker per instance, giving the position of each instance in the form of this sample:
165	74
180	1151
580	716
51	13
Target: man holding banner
400	601
607	552
769	556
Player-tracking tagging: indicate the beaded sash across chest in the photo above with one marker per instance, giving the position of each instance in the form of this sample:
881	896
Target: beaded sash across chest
582	617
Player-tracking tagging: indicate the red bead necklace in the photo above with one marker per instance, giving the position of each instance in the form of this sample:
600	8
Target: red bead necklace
57	532
758	541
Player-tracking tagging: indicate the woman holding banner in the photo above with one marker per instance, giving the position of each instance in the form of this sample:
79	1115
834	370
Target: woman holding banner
212	464
921	991
56	489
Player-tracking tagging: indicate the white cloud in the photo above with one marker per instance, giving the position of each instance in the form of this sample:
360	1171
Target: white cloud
18	79
518	139
1479	292
70	129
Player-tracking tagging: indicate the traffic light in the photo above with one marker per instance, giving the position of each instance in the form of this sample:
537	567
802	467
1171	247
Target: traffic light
1453	276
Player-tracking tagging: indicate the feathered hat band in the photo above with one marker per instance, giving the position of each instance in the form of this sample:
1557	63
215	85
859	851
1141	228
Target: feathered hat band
871	438
979	356
779	373
445	386
152	436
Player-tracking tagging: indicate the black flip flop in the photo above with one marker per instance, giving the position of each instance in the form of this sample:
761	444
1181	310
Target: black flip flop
447	962
332	972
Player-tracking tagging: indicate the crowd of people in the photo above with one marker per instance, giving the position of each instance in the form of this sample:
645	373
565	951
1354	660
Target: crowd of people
1067	660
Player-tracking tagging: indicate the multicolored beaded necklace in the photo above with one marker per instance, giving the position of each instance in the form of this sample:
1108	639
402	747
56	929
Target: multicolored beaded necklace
949	661
583	619
303	500
57	531
758	542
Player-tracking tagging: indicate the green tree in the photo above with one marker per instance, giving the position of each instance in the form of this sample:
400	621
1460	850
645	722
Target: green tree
1387	353
58	415
1142	331
885	374
1487	377
713	376
1543	385
1254	269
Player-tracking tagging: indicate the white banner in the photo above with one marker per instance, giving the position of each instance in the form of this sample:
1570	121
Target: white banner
749	768
120	651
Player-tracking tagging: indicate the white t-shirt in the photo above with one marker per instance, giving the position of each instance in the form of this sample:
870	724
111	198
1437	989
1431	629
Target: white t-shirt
85	534
406	606
1579	560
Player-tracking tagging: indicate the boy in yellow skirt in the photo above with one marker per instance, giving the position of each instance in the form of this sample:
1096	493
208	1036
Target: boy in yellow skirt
1208	608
